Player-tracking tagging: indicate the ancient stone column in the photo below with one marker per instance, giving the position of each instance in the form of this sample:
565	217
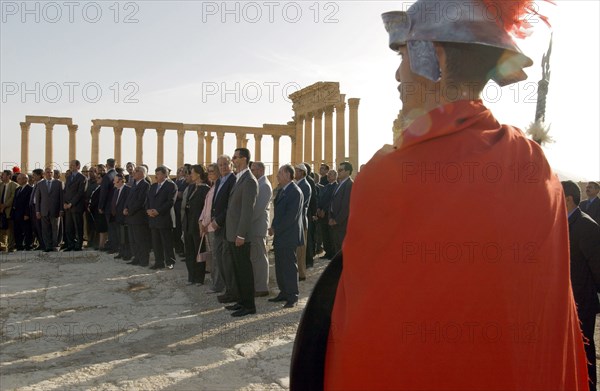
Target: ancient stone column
275	159
118	131
180	151
299	139
244	142
49	145
329	136
257	147
209	139
308	143
139	145
220	139
318	157
95	144
72	142
200	158
160	147
25	146
340	130
353	133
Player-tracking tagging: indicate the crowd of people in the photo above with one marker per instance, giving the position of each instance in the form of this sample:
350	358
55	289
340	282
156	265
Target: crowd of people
215	217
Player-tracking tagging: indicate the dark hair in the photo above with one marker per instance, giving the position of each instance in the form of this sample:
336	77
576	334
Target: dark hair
572	189
119	170
347	166
38	171
308	169
474	63
162	169
120	176
110	162
289	169
244	152
200	170
326	166
7	172
77	163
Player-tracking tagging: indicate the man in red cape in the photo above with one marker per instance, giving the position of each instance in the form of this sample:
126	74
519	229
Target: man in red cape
456	260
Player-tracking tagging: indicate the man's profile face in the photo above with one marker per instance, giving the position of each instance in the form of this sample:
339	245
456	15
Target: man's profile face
342	173
283	176
412	88
22	179
129	168
591	191
331	177
138	175
238	161
298	174
323	170
4	177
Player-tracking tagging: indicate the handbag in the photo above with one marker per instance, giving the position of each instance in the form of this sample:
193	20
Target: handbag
205	256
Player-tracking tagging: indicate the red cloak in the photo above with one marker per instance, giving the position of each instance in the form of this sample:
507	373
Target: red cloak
456	266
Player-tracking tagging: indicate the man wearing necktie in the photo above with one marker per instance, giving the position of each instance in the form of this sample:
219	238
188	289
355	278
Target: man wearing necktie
7	194
160	201
49	209
74	205
591	206
288	231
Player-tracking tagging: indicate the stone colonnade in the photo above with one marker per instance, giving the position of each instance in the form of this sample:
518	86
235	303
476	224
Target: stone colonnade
49	122
206	135
314	135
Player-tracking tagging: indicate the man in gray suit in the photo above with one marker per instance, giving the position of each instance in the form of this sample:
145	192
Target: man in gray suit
288	229
237	231
340	205
258	231
591	206
49	208
74	205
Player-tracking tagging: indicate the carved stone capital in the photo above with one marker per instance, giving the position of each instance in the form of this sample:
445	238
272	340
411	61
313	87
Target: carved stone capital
73	128
25	126
328	110
49	127
353	103
139	132
160	132
180	132
95	130
118	131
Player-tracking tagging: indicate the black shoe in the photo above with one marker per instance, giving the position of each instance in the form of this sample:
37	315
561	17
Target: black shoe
234	307
155	267
277	299
127	258
133	263
290	304
301	278
243	312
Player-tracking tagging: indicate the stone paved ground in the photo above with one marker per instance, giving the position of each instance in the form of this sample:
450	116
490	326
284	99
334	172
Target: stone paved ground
84	321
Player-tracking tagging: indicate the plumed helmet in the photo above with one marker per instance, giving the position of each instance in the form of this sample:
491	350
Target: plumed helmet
483	22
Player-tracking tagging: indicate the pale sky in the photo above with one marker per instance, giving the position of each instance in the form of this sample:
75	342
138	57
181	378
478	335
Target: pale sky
158	60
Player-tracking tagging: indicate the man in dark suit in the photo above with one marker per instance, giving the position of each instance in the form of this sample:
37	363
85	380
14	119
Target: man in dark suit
182	173
21	214
300	173
238	220
7	194
312	216
74	206
288	230
340	205
37	176
584	243
323	213
591	206
116	226
106	187
49	209
223	262
137	219
159	202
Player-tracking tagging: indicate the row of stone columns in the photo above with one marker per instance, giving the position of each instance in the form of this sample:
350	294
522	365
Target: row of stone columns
49	157
205	140
311	151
